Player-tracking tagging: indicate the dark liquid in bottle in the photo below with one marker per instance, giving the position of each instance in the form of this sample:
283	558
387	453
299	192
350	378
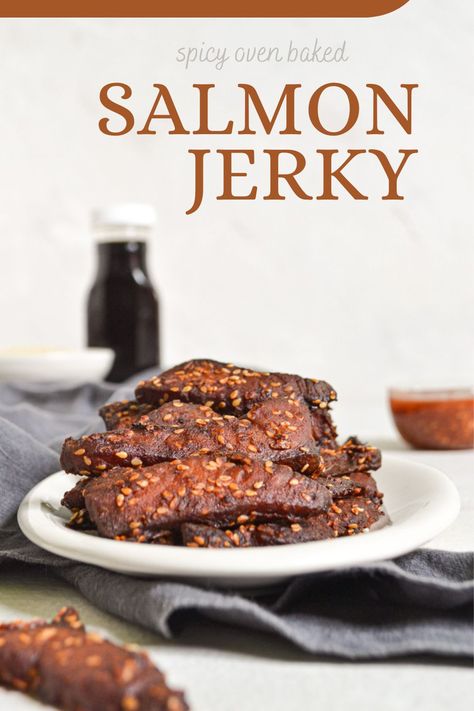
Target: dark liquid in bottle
122	311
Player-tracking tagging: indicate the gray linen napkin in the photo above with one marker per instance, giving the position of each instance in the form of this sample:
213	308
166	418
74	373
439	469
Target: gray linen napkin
419	603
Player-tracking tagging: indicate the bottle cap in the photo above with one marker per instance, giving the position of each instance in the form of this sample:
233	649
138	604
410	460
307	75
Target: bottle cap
124	215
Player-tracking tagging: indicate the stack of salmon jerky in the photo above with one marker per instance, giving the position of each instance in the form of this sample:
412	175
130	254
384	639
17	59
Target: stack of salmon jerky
214	455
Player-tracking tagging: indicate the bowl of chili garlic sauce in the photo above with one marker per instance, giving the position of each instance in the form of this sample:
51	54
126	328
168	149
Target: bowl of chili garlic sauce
434	418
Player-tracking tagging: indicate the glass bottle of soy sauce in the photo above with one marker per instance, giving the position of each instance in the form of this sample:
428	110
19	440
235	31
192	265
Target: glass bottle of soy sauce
122	309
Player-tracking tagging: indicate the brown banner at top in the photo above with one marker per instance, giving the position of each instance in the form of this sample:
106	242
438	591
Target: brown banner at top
200	8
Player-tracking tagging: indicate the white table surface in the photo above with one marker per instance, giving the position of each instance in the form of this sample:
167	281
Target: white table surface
228	669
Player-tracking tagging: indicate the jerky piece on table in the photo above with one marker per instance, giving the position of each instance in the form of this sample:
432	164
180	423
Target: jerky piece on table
278	430
123	414
349	457
60	664
228	388
21	644
125	503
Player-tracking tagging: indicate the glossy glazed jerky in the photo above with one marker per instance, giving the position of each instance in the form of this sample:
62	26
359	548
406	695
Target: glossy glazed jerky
280	430
228	388
63	665
122	414
147	477
347	516
349	457
126	503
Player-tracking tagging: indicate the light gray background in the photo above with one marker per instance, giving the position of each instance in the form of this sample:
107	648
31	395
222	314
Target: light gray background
363	294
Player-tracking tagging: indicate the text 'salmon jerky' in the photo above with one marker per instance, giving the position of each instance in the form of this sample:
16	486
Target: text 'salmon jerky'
284	116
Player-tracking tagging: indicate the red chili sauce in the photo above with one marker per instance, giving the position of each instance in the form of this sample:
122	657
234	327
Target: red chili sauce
435	419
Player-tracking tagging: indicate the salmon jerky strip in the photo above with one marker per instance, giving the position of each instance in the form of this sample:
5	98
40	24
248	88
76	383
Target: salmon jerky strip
168	416
74	501
125	503
279	430
345	485
354	514
60	664
228	388
21	643
251	535
346	518
122	414
80	520
355	483
349	457
74	498
359	486
198	535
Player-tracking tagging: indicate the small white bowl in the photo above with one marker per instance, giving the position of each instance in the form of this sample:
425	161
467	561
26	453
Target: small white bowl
44	365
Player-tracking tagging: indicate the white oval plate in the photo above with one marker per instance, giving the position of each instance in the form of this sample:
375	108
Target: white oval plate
420	502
